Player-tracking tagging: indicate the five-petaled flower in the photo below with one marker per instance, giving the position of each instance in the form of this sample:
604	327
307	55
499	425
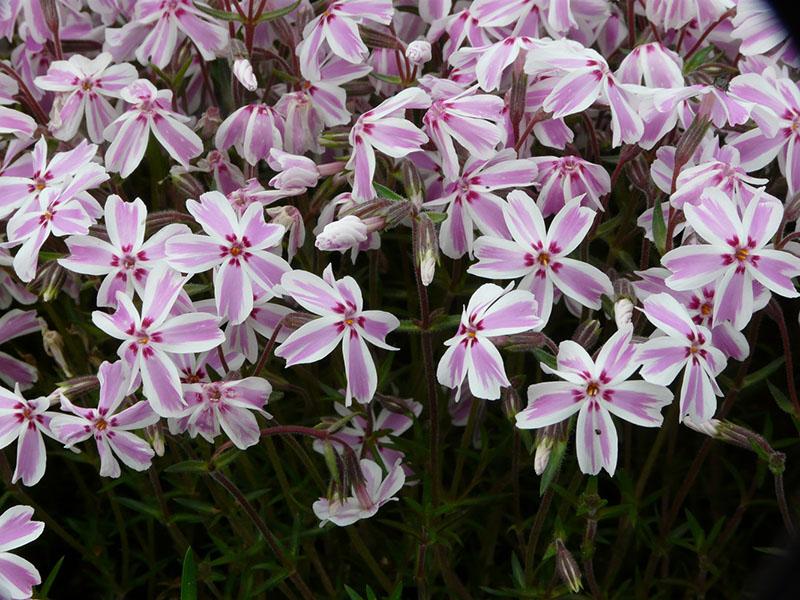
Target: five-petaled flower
17	575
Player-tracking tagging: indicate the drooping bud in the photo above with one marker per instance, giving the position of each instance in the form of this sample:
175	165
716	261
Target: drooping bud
155	434
51	18
342	235
567	567
418	52
188	185
291	218
53	345
293	171
379	39
546	438
295	320
692	137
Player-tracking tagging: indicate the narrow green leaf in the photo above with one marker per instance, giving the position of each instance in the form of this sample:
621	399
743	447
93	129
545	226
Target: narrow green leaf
763	372
189	577
277	14
48	583
782	401
659	229
543	356
220	14
393	79
698	58
385	192
436	217
188	466
553	465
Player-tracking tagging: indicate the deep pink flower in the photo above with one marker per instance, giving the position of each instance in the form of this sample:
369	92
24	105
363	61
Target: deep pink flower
380	128
150	110
339	304
126	258
83	86
492	311
25	421
110	429
737	254
237	248
539	256
151	335
598	389
17	575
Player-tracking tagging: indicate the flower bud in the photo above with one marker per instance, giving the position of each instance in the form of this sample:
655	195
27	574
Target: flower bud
587	334
50	13
426	248
53	345
295	320
188	185
208	123
567	568
342	234
412	183
546	438
78	386
155	434
418	52
291	218
293	171
623	312
243	71
53	282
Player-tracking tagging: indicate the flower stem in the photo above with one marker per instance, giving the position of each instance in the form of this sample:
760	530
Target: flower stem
776	312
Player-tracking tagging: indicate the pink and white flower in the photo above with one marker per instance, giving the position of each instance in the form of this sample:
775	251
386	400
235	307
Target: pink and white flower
151	110
254	130
381	128
13	324
126	258
366	499
225	405
110	429
150	336
737	255
25	421
83	87
339	304
492	311
595	389
565	177
539	256
237	248
686	347
17	575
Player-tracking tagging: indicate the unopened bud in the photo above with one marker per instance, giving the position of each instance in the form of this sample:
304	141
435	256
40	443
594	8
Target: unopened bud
587	334
567	568
243	71
291	218
418	52
342	235
332	461
295	320
379	39
792	211
188	185
412	183
208	123
542	456
53	345
156	436
623	312
50	12
53	282
426	248
78	386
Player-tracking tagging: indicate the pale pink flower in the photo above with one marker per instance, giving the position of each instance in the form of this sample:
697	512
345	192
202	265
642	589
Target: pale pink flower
686	347
227	176
17	575
13	324
152	35
342	319
225	405
243	71
595	389
562	178
492	311
758	26
237	248
381	128
490	62
366	499
253	130
471	201
25	421
150	336
738	253
539	256
13	121
150	110
110	429
342	235
291	218
294	172
338	26
83	87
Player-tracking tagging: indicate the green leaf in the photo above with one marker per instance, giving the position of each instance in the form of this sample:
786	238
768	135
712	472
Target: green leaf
782	401
277	14
188	466
48	583
436	217
393	79
189	577
220	14
553	465
386	193
659	229
698	58
543	356
763	372
351	593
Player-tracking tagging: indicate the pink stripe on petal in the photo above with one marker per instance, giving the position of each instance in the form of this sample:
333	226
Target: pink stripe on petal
453	365
514	312
191	253
265	269
487	374
693	266
311	342
524	219
343	39
662	359
192	332
596	440
574	93
362	379
136	417
161	383
499	259
666	313
548	403
616	359
580	281
31	457
240	425
233	291
775	270
17	528
18	576
182	143
733	299
638	402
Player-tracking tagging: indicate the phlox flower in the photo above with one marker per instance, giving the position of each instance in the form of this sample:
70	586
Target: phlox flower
110	429
564	177
19	187
150	110
346	234
13	324
253	130
491	61
366	499
11	120
153	32
83	86
736	254
25	421
674	14
758	26
686	347
380	128
126	258
17	575
367	434
225	405
470	119
150	336
471	201
595	389
492	311
539	255
227	176
585	78
238	248
338	26
339	304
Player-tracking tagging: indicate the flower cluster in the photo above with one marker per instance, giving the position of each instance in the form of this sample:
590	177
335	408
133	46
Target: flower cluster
549	167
